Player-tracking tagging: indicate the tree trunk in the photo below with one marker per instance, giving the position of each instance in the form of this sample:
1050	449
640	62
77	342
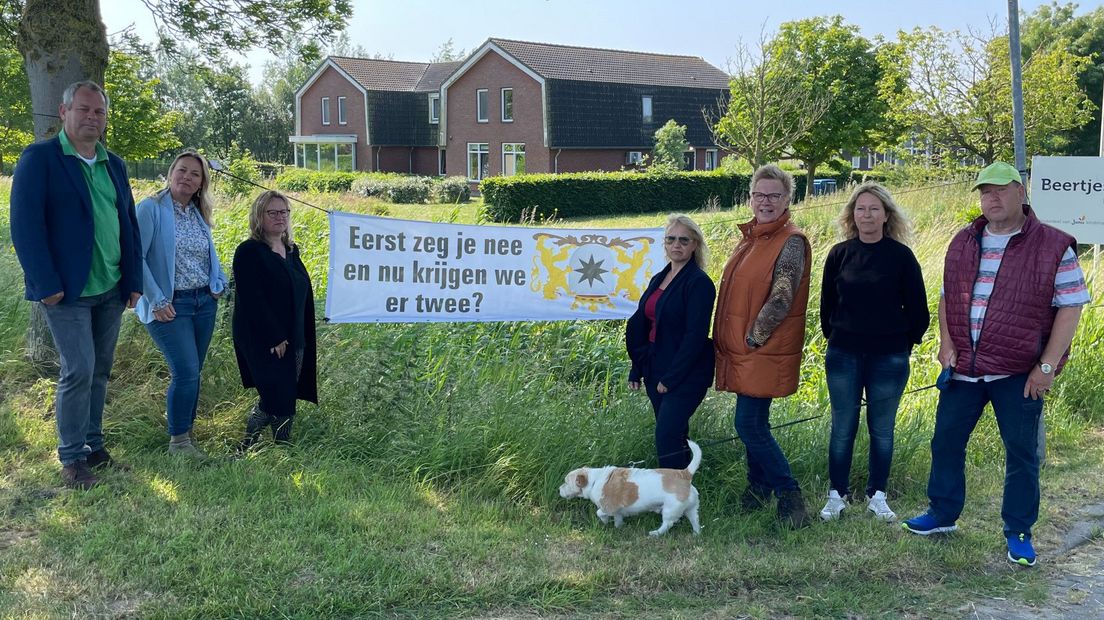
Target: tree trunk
810	176
61	43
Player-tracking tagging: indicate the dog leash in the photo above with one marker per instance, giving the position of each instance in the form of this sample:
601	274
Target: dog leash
706	444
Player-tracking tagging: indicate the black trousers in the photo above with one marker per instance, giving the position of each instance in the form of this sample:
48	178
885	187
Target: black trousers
672	414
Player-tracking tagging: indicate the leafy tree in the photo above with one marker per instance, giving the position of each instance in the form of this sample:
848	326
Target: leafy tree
63	42
447	52
670	144
960	94
833	58
769	105
15	106
1083	35
229	90
137	126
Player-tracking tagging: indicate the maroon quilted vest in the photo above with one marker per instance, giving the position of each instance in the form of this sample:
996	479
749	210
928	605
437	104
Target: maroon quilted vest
1020	316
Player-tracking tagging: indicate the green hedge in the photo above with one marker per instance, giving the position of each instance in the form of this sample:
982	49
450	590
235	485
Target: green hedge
393	187
585	194
302	180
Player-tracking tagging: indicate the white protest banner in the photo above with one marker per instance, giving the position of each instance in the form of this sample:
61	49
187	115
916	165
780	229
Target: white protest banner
398	271
1068	193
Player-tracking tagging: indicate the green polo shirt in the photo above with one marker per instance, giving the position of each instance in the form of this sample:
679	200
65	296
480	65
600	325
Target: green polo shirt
106	250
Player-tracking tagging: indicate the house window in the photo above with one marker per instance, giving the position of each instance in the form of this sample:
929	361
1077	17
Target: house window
341	120
434	108
325	110
481	105
710	159
634	158
646	107
325	156
513	159
856	161
507	105
441	162
479	160
690	160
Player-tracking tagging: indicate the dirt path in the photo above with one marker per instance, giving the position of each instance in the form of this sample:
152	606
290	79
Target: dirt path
1075	571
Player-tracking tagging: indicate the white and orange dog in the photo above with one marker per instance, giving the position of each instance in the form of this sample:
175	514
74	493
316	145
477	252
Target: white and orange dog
621	492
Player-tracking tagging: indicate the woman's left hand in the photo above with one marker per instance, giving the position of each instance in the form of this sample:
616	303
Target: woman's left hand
634	385
662	389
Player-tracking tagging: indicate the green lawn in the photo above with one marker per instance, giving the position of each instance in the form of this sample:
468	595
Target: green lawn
424	484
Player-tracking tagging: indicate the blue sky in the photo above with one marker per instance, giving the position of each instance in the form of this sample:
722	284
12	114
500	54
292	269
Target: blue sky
415	29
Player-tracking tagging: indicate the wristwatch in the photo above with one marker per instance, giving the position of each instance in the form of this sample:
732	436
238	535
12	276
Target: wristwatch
1046	368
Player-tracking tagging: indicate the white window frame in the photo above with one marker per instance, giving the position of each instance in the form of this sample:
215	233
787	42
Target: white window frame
646	110
483	149
342	117
693	153
434	118
711	159
512	150
325	110
502	100
482	113
634	158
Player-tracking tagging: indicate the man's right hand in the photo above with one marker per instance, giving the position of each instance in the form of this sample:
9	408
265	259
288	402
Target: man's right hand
54	299
947	355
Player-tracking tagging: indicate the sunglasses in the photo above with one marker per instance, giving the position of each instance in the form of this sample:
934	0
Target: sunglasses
670	239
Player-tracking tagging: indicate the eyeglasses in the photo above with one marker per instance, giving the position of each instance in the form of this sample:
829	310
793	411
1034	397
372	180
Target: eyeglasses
761	197
278	213
671	239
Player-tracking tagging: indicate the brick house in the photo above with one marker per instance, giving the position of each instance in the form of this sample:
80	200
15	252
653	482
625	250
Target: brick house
510	107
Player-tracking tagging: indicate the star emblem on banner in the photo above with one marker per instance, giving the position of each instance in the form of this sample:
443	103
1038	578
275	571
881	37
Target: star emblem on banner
591	270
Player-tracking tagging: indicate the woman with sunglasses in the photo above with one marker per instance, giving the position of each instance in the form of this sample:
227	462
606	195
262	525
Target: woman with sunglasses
668	339
273	320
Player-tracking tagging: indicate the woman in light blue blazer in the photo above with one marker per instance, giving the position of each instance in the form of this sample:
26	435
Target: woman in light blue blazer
181	283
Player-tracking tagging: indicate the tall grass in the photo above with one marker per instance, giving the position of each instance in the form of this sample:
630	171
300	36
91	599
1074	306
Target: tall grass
424	482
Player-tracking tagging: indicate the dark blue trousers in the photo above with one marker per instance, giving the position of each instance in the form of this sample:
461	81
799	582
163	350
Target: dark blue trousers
960	407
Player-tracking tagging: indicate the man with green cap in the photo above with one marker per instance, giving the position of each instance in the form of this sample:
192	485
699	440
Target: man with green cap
1012	295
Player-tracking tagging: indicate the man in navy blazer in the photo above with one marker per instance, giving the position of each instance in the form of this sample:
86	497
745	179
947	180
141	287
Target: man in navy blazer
76	235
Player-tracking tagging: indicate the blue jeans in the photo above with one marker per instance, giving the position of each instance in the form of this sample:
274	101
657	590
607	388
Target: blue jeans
672	414
184	341
960	407
85	333
883	378
767	466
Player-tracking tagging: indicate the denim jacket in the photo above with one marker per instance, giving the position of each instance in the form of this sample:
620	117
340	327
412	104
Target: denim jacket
158	228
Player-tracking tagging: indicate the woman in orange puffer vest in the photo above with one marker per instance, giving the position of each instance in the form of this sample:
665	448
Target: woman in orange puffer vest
759	335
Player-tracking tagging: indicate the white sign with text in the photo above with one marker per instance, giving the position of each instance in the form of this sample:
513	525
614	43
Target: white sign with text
1068	193
384	270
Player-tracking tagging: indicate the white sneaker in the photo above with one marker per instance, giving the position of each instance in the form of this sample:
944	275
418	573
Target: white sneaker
834	507
878	506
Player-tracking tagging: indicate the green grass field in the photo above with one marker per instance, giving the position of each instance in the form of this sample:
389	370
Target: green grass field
424	484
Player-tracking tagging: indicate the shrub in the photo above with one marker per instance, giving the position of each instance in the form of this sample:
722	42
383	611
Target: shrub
294	180
302	180
410	190
603	193
451	190
243	166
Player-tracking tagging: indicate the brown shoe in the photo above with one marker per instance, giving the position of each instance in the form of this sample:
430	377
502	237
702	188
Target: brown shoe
754	498
100	459
791	510
77	475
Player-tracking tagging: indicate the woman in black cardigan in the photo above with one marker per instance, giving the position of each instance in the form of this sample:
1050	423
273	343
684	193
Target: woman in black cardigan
273	320
668	339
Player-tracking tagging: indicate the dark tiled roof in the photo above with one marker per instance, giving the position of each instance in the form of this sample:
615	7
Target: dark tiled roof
436	73
394	75
588	64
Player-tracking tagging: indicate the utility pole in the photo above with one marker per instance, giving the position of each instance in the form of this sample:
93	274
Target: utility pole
1018	139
